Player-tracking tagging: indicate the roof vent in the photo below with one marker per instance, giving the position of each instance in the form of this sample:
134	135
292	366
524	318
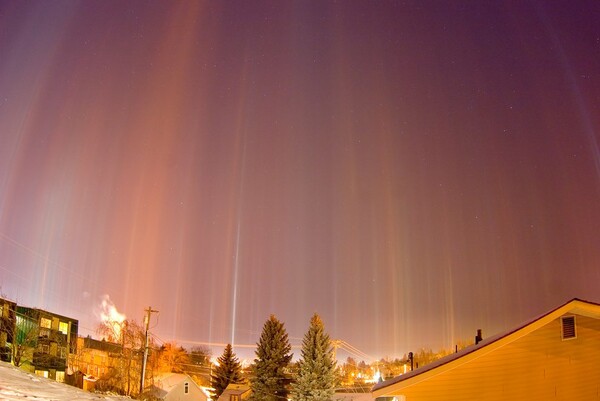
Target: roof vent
568	327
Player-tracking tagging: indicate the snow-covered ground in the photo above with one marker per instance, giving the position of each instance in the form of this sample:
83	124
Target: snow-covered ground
16	384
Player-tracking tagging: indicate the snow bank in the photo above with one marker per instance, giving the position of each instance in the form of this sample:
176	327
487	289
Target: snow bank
16	384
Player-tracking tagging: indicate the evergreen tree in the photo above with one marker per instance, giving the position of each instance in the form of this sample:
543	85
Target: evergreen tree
228	371
317	371
273	357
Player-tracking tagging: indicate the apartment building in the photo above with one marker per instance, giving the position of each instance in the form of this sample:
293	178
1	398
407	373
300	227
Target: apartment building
7	328
52	338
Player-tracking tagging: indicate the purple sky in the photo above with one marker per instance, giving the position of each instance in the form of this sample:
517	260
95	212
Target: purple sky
411	171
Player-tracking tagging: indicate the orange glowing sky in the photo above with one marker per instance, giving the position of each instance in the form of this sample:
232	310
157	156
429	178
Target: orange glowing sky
412	171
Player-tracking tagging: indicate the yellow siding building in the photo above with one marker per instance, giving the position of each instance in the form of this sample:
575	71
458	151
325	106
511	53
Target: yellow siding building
553	357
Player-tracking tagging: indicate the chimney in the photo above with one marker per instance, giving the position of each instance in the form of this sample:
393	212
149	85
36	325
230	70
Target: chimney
478	337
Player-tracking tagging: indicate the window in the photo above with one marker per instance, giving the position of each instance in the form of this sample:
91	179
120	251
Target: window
186	387
43	373
568	327
60	376
46	323
234	397
63	327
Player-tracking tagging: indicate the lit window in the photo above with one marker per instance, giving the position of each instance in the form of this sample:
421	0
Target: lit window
234	397
43	373
63	327
60	377
186	387
46	323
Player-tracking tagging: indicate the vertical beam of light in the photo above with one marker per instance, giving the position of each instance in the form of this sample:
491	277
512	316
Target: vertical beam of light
236	260
237	192
345	214
26	103
584	114
371	249
392	220
156	234
9	165
26	95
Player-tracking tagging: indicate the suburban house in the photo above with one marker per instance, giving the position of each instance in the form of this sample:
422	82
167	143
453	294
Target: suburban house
53	337
7	328
235	392
555	356
176	387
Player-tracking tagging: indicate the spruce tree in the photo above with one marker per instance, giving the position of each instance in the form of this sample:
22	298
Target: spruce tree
317	371
269	381
228	371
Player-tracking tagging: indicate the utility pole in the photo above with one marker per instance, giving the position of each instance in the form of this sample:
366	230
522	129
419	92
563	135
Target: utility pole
149	311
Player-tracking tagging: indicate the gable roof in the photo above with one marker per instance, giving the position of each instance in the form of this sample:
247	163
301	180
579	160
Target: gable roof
449	362
237	388
168	381
234	389
164	383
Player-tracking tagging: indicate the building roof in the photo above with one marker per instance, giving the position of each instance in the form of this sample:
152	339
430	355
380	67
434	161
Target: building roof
36	312
575	306
168	381
234	389
101	345
8	301
164	383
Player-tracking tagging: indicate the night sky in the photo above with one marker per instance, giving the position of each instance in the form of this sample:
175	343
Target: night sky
411	171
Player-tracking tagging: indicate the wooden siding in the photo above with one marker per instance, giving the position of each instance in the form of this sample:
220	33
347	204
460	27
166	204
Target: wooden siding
539	366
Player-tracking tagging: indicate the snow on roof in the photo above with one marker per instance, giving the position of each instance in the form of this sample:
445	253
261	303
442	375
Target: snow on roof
237	388
207	391
17	384
472	348
167	381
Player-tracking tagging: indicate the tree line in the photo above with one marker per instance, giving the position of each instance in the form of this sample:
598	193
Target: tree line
272	377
